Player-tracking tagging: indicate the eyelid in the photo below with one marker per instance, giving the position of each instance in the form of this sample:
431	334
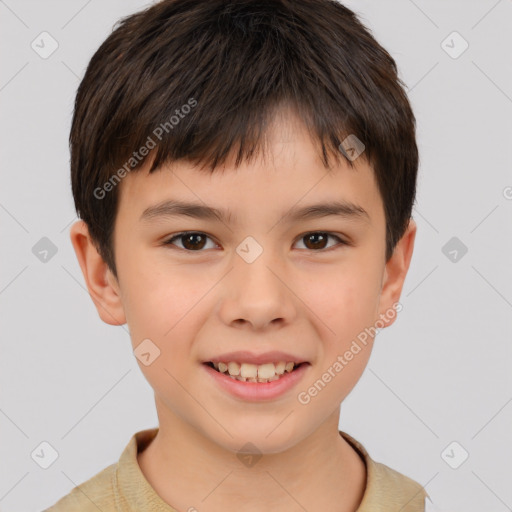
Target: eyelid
342	241
168	241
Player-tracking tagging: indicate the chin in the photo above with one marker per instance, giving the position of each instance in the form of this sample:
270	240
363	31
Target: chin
258	439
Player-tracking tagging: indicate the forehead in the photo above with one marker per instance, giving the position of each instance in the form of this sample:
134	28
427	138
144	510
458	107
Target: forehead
289	174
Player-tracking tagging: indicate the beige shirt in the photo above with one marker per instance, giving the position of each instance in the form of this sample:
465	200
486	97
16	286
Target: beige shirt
122	487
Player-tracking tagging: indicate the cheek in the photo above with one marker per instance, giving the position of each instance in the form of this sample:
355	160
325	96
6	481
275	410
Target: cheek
158	303
162	318
162	315
343	302
345	310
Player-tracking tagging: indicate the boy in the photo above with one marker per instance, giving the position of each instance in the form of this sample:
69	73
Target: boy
245	172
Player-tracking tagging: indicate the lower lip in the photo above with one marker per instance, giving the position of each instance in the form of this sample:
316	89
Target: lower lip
258	391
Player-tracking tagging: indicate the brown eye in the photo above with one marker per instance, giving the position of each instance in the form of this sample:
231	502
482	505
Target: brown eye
317	240
191	241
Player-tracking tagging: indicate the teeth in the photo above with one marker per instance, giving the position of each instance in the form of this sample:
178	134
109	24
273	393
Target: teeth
265	371
233	368
280	368
247	372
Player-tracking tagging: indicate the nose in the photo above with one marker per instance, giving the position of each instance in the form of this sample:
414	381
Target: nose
257	294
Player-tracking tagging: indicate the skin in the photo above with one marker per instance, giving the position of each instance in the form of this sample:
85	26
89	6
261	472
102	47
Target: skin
293	297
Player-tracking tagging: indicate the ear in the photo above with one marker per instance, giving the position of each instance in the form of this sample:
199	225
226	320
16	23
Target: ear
394	274
101	283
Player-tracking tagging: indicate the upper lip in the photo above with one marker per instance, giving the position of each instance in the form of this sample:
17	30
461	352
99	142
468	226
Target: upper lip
244	356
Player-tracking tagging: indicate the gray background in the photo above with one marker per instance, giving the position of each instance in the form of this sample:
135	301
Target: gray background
441	373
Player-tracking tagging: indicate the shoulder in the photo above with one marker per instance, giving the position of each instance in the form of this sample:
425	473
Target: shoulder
386	488
94	494
115	487
391	485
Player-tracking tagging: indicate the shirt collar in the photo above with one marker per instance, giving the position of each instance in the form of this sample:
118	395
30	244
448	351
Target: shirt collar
134	493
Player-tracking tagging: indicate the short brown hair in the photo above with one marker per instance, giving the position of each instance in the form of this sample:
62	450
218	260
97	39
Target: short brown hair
232	63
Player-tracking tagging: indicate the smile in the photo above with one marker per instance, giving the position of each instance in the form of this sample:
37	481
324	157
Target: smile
247	372
264	383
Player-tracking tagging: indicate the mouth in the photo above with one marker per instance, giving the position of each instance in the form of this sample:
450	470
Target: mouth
263	373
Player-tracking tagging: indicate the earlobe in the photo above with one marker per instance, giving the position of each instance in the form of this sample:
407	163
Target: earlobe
102	286
395	273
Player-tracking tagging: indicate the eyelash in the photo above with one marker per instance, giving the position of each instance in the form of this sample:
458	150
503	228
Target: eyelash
179	235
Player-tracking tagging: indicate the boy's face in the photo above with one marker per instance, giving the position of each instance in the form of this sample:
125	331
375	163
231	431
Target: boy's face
310	297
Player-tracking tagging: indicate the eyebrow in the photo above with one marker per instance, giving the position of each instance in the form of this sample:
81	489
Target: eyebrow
175	208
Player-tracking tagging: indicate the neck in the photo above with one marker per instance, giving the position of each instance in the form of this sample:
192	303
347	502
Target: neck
323	471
